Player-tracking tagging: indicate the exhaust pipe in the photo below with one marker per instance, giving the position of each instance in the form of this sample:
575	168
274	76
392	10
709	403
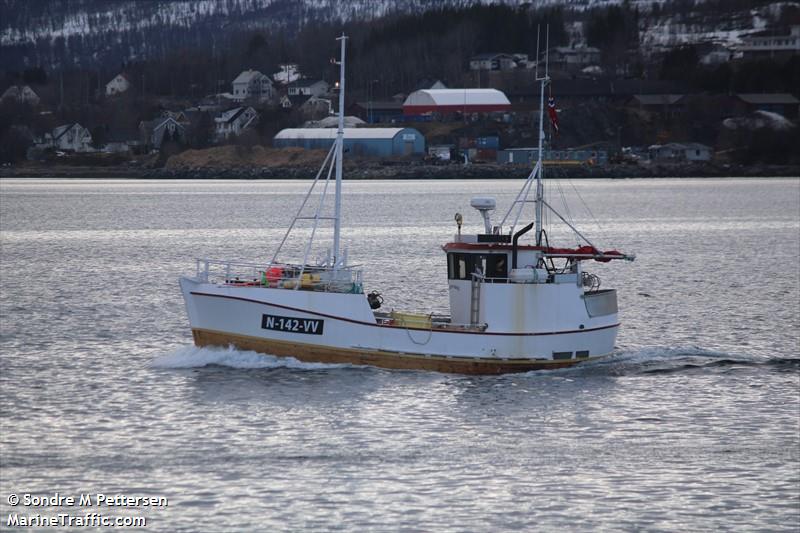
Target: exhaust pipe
517	235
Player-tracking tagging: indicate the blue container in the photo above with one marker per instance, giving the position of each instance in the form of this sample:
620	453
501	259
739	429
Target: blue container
488	143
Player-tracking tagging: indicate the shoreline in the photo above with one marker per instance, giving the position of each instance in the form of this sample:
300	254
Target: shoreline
408	171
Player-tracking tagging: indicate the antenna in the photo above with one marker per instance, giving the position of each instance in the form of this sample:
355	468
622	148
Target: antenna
547	52
536	173
539	186
536	71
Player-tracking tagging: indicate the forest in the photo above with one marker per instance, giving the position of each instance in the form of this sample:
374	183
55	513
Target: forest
400	49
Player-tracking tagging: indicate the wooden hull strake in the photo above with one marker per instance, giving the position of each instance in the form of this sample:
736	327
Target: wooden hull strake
311	353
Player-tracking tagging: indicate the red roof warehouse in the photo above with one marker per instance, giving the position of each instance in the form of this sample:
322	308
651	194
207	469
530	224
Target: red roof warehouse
455	101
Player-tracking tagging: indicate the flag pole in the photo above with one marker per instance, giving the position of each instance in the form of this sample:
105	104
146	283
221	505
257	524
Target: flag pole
539	187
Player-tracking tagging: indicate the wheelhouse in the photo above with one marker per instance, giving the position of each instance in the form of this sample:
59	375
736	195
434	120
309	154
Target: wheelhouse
490	265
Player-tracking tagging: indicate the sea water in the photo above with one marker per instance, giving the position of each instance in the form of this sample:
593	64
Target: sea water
692	424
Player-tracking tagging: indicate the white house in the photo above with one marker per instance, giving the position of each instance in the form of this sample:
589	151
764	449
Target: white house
169	129
20	94
308	88
492	62
771	44
440	152
289	72
179	116
169	126
118	85
679	152
252	84
316	107
717	55
233	122
73	137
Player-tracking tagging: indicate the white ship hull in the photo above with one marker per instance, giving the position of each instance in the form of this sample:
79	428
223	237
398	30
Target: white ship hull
289	323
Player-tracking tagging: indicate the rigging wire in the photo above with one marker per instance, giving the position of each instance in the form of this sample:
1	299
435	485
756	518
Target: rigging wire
586	206
545	195
567	210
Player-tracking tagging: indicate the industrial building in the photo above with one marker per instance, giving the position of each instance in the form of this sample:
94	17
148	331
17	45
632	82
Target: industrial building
372	142
529	156
446	101
680	152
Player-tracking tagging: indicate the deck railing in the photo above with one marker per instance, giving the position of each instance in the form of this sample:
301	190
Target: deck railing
280	276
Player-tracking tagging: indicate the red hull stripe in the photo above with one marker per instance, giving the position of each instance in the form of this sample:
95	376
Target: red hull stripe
224	296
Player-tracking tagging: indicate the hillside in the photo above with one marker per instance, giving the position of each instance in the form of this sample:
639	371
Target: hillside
85	33
614	66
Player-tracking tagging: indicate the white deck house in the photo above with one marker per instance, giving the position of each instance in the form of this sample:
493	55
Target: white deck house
118	85
251	84
233	122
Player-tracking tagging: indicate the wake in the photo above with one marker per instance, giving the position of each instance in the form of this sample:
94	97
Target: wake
195	357
672	359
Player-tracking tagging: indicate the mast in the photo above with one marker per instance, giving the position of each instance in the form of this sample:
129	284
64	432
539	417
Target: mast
539	188
337	223
521	200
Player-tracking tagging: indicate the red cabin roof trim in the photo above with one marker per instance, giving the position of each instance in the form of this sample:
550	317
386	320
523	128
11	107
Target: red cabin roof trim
580	253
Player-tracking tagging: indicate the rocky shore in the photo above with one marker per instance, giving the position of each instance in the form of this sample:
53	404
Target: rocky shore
403	170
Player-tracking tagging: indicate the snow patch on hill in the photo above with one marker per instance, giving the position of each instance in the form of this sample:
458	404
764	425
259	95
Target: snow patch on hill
758	120
58	19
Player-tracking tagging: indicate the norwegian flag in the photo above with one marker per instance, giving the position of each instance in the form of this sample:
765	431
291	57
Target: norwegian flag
551	110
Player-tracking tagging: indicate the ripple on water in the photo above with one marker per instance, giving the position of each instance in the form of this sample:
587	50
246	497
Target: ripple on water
691	425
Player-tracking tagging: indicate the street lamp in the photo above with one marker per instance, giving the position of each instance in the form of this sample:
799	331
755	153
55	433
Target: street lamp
369	104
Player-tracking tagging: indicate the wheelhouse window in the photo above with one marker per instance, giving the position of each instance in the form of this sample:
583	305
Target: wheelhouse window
462	266
496	266
457	266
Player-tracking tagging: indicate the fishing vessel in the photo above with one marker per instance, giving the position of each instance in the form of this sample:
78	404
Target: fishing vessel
514	306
